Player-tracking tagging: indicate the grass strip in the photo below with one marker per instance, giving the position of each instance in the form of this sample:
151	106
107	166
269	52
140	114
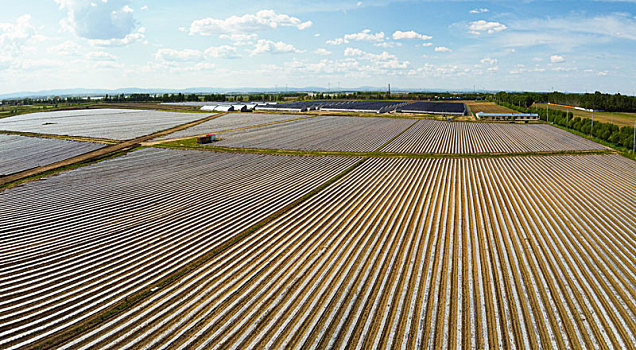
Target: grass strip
130	301
191	144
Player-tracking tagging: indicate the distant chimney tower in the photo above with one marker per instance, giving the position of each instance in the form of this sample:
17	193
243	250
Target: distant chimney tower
389	89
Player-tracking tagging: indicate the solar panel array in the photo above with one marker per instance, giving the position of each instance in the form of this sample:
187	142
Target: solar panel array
364	106
434	108
338	105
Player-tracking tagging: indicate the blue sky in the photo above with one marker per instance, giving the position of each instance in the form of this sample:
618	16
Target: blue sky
497	45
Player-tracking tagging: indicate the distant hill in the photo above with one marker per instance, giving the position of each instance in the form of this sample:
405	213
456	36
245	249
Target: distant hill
127	91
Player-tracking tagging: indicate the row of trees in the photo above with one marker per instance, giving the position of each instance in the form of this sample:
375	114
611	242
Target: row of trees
623	136
45	101
597	100
366	95
179	97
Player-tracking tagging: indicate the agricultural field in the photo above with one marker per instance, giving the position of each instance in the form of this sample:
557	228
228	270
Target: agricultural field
115	124
467	238
320	133
617	118
430	136
80	242
18	153
487	107
413	253
231	121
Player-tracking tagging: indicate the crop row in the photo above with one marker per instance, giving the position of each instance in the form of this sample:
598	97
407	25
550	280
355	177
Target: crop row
230	121
429	136
412	253
321	133
116	124
21	153
78	243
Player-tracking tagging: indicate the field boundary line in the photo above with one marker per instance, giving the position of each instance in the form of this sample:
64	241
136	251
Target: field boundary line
374	154
395	137
132	300
61	137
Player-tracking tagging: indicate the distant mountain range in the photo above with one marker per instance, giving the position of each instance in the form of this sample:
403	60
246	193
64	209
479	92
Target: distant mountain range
199	90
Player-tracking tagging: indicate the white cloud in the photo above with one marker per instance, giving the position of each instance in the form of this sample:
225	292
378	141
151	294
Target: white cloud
138	36
322	52
239	38
171	55
527	70
427	44
177	67
143	8
108	65
100	56
480	10
99	20
557	59
13	36
67	48
248	23
617	26
268	46
383	60
39	63
364	35
223	51
567	33
489	61
399	35
387	44
442	49
478	27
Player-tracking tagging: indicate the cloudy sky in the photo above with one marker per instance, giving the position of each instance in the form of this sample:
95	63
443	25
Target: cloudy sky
496	45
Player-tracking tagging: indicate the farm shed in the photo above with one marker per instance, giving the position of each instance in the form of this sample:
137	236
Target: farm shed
288	107
208	107
224	108
508	116
240	108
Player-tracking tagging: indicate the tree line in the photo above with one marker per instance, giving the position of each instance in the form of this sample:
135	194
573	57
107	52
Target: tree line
623	136
596	101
